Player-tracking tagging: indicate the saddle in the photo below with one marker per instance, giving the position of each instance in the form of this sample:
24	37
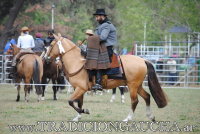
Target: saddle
116	71
22	55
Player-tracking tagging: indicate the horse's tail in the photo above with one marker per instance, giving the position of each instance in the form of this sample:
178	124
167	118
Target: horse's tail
36	77
154	86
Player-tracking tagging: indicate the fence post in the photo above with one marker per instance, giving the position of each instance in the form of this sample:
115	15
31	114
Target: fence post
198	43
136	47
170	44
1	71
188	44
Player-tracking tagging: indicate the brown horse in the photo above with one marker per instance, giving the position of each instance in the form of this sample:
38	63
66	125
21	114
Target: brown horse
135	69
29	68
53	72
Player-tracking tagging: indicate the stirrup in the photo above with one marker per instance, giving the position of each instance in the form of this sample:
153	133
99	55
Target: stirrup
97	87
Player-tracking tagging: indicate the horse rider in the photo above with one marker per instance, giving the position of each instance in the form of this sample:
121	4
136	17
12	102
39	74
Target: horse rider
26	43
81	44
107	34
39	44
49	39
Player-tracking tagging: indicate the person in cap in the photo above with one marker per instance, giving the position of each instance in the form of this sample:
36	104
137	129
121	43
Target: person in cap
107	35
39	44
81	44
89	32
26	43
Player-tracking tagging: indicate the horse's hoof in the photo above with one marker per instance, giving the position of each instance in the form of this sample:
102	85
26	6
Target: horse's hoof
75	119
42	98
153	119
86	111
125	120
18	98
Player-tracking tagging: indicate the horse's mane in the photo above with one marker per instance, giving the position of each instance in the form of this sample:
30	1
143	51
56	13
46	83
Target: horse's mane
71	42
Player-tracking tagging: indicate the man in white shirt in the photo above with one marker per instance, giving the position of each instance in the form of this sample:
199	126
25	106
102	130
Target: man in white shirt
26	43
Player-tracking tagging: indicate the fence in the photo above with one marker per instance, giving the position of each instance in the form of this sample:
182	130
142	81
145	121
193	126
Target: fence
179	72
187	67
164	50
187	71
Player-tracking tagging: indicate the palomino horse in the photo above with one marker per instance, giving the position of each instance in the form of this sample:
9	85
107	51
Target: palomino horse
29	68
135	69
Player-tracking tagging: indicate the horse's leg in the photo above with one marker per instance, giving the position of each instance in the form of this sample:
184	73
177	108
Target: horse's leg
80	104
31	86
18	89
146	97
26	91
113	95
27	88
122	94
44	81
18	93
76	97
134	100
54	89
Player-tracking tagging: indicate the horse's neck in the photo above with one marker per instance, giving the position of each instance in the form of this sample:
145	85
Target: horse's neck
72	61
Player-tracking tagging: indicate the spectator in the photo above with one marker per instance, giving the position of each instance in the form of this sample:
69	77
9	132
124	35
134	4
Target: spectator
7	46
124	51
172	71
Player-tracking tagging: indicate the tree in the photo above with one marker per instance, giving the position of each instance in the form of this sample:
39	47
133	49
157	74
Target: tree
9	25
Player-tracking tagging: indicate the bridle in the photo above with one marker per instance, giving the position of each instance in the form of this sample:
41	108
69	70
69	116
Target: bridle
62	54
56	43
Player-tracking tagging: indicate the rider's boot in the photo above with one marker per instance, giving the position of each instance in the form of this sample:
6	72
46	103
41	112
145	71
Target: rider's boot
98	85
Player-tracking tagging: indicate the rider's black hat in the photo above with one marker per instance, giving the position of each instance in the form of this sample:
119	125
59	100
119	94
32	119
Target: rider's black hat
100	12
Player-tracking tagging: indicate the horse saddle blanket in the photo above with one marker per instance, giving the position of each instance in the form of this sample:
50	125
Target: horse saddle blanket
115	66
115	72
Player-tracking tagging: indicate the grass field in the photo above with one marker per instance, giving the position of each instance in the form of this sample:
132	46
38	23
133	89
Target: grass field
183	109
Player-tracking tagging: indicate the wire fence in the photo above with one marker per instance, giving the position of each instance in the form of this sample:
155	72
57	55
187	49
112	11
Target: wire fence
172	72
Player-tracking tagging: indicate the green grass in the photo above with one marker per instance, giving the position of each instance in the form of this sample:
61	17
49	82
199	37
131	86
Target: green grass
183	108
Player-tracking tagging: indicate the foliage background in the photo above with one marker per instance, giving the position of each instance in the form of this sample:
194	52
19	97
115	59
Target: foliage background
73	17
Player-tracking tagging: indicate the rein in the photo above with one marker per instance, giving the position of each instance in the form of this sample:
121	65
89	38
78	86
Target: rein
75	73
70	49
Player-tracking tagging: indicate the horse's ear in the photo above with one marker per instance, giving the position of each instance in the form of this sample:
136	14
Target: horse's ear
59	35
56	37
